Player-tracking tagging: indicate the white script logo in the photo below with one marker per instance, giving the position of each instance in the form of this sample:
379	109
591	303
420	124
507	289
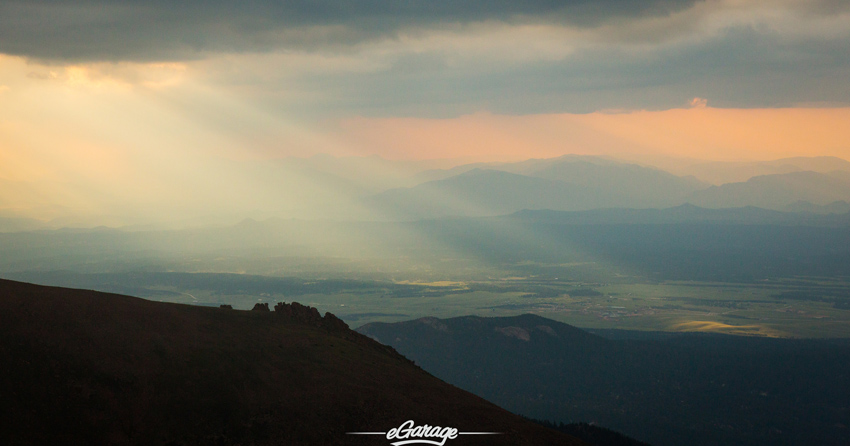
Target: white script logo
410	433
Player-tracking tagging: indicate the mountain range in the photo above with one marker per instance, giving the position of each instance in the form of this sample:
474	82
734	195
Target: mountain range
582	183
718	172
664	388
372	188
778	191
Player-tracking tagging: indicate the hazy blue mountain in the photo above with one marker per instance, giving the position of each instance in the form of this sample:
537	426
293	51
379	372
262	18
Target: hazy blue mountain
609	183
335	188
777	191
734	172
631	184
690	388
637	185
793	184
525	167
481	192
836	207
689	213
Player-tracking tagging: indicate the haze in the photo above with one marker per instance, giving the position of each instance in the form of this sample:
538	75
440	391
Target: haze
146	113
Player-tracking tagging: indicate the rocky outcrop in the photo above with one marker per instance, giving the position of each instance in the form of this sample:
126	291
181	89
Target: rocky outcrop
299	312
260	307
334	323
309	315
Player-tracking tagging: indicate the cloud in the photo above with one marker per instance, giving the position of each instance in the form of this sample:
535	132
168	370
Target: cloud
698	103
442	59
736	68
164	30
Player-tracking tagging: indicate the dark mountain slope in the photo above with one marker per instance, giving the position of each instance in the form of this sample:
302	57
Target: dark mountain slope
695	389
81	367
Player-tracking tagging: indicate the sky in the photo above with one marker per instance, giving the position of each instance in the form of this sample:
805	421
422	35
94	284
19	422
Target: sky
128	108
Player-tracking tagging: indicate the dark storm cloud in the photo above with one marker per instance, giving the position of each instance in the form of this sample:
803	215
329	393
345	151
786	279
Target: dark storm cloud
742	68
161	30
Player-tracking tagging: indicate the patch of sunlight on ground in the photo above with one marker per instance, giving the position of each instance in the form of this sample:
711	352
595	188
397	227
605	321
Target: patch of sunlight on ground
444	283
719	327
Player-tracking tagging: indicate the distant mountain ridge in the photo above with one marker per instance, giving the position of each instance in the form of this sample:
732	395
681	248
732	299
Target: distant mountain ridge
481	192
568	183
836	207
719	172
778	191
581	186
685	213
372	188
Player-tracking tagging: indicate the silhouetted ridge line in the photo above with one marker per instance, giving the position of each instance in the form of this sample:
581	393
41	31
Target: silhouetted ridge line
83	367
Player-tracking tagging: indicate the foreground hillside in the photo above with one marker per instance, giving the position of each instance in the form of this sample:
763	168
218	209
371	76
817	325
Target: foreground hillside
82	367
663	388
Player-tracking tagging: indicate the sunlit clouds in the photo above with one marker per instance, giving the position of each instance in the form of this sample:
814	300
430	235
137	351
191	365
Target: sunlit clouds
123	142
698	103
147	111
